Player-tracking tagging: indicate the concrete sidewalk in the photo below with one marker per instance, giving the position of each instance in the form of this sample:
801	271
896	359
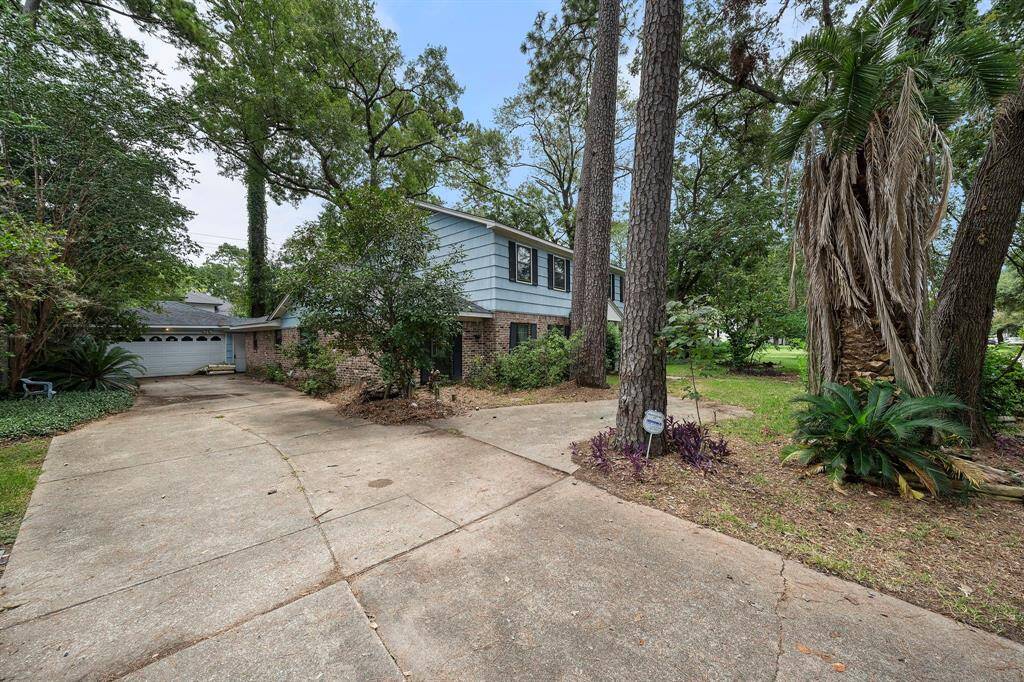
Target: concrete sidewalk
225	529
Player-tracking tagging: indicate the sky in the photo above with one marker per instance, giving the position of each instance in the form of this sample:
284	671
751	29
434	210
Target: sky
483	39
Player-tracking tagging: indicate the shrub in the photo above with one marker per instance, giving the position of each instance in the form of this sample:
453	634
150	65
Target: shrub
40	417
89	365
693	443
612	348
317	364
540	362
270	371
879	433
1002	385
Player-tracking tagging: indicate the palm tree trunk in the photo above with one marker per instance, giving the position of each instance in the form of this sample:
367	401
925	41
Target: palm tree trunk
259	286
642	370
591	314
967	295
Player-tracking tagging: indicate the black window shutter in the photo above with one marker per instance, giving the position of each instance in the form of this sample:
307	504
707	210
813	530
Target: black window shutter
511	260
534	259
568	275
551	271
533	331
622	288
511	335
611	287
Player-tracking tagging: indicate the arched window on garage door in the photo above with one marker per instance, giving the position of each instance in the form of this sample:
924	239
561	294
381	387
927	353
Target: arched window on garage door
186	338
200	338
214	338
171	338
155	338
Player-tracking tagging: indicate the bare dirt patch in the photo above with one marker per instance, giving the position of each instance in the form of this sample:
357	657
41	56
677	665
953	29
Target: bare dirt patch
958	557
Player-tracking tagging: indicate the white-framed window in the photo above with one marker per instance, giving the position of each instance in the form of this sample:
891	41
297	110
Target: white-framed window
524	264
558	273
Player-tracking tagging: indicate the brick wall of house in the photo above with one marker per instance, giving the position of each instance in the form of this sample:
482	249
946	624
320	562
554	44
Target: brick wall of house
483	338
352	369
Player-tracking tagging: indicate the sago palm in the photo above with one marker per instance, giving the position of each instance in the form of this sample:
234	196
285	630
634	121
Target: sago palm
881	434
868	136
93	365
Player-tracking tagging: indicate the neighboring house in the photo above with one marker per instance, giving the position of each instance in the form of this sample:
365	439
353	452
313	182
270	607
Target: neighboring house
518	287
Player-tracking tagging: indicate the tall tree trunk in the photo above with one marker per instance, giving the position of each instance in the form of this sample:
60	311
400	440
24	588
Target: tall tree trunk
968	290
642	370
579	246
591	315
258	275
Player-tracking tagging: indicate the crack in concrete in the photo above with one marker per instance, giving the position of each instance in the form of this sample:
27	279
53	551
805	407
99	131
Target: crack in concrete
779	619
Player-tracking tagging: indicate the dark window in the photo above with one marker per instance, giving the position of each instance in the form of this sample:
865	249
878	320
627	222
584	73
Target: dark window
186	338
200	338
214	338
171	338
520	332
558	273
155	338
524	264
611	287
278	337
255	340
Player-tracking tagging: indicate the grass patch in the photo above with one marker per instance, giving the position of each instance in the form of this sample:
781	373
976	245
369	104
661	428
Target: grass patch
40	417
20	464
770	399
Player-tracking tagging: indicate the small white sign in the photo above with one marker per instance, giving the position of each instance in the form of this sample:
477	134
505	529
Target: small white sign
654	422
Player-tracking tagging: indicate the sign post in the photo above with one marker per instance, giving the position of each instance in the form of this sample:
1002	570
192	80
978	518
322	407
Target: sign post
654	423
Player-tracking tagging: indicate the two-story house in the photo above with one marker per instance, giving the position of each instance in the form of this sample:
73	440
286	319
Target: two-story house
518	287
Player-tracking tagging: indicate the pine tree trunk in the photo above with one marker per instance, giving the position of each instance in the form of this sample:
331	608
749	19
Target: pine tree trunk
256	197
642	370
968	290
599	161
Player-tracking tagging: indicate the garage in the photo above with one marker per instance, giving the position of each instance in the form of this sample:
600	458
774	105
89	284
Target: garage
178	337
178	354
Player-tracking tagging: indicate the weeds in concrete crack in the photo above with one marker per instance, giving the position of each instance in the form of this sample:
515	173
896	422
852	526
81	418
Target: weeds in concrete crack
778	617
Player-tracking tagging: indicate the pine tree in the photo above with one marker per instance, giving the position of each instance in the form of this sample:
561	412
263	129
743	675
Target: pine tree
594	209
642	368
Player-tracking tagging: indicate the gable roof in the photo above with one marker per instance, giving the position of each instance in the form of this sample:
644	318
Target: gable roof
510	232
179	314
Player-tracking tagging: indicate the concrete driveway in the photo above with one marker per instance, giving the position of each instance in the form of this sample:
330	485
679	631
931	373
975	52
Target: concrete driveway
225	529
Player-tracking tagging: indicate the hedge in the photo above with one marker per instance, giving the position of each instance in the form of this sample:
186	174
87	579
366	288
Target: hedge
22	418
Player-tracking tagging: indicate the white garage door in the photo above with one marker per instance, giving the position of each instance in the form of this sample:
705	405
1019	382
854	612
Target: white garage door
178	354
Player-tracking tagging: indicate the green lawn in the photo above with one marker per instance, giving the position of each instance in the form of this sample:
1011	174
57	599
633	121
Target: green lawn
769	398
20	464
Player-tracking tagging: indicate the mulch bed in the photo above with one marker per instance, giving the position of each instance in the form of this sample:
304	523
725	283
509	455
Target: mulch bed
959	557
457	399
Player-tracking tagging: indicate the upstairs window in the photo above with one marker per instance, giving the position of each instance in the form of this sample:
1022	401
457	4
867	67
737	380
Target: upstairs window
558	273
278	337
522	264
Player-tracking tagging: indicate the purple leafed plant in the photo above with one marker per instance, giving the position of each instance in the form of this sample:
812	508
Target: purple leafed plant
694	444
600	449
636	453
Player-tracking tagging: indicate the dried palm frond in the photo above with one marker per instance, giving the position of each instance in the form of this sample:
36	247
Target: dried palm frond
876	180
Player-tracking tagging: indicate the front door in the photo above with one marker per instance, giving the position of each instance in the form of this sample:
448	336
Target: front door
447	362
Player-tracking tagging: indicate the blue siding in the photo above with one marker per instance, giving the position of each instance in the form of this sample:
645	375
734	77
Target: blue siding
515	297
476	242
485	259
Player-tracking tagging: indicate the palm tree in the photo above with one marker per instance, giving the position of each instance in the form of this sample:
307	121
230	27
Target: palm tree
876	174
